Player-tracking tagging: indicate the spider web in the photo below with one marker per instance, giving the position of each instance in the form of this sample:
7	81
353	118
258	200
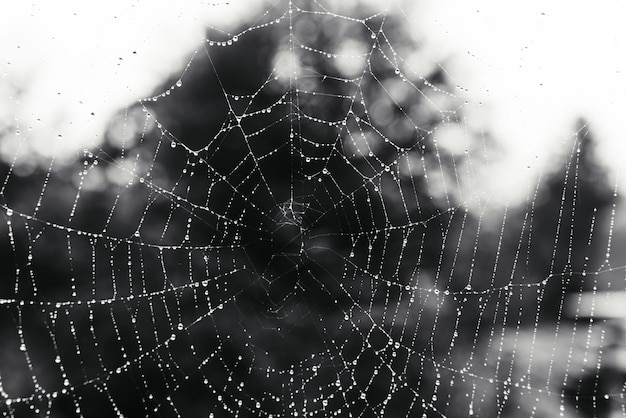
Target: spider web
292	226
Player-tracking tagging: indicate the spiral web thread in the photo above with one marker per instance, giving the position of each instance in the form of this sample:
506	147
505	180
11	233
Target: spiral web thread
316	252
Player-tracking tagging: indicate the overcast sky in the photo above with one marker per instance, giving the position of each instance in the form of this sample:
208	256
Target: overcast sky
537	66
529	69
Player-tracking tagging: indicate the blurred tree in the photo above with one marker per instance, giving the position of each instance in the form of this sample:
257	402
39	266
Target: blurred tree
565	230
283	211
324	166
550	249
270	209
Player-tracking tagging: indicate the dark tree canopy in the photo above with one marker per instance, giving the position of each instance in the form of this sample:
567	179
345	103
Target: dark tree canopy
279	231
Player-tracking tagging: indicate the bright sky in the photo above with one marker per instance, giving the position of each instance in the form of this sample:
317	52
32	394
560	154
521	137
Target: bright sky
530	68
72	58
536	66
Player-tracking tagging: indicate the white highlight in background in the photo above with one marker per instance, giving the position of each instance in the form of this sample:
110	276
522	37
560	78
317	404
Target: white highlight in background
534	67
69	66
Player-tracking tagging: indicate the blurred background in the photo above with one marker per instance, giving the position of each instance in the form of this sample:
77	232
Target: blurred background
322	208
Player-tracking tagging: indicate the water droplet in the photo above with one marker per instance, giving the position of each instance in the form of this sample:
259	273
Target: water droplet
179	83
